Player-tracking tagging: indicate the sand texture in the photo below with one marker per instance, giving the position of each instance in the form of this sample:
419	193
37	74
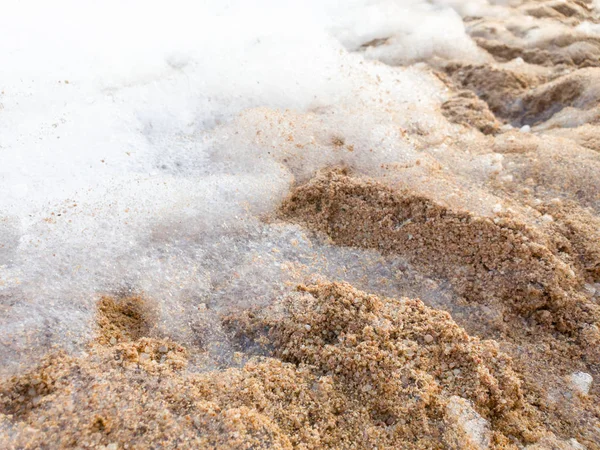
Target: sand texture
465	313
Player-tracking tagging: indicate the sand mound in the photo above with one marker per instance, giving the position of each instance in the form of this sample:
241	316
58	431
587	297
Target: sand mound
485	259
346	370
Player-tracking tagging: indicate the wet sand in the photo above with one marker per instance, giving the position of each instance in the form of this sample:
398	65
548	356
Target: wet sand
509	360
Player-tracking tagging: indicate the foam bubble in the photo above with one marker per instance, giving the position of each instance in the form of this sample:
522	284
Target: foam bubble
143	146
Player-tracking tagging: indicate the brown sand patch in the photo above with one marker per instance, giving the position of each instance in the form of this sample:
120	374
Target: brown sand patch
123	319
519	271
466	109
572	90
485	260
21	395
500	88
349	370
523	98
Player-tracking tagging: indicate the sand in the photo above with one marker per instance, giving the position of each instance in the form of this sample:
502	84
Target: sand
509	360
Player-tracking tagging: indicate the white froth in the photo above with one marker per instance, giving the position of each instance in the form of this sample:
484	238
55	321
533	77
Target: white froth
141	144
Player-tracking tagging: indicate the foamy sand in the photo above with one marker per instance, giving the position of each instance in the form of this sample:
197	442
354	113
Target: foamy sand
300	225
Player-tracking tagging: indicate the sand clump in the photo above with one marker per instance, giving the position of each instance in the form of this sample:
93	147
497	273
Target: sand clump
499	87
346	370
486	260
524	97
537	279
123	319
467	109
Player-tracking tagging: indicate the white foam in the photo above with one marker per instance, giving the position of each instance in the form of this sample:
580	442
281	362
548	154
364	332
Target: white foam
141	144
412	30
